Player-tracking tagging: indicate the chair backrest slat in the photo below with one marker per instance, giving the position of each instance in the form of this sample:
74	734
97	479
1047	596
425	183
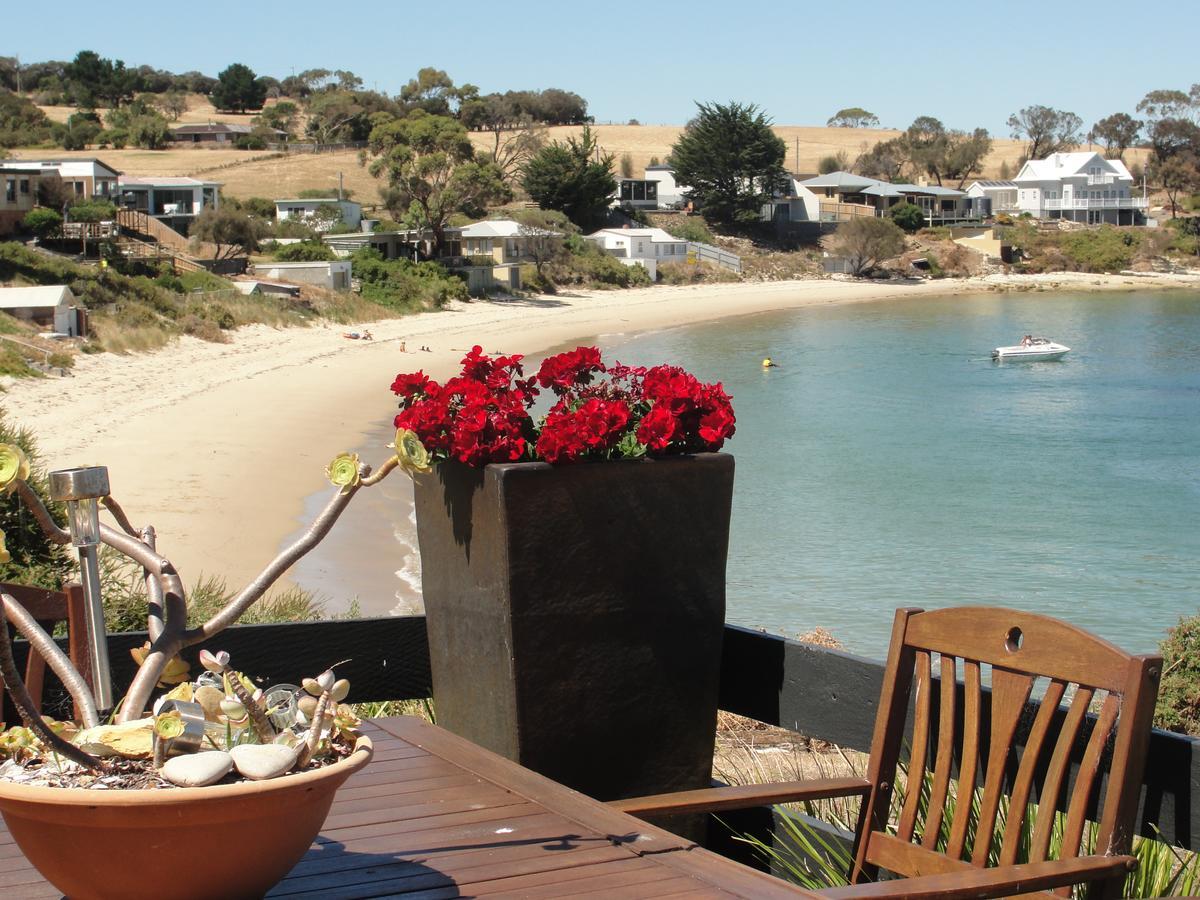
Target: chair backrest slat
1010	693
1023	784
1056	775
1085	778
968	767
917	762
945	755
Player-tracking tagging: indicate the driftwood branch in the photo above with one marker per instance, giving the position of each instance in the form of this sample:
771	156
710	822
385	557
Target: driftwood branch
44	645
27	708
45	521
316	532
119	514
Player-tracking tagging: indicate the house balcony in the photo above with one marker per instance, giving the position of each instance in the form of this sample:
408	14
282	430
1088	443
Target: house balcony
1102	179
1100	203
844	212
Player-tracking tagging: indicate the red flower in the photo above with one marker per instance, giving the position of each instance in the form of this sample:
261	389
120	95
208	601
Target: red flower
409	386
571	369
657	428
482	415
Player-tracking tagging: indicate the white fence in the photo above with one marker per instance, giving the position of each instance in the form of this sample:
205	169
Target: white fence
715	255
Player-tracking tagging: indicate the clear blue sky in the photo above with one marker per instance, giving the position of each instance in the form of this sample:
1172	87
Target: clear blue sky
970	64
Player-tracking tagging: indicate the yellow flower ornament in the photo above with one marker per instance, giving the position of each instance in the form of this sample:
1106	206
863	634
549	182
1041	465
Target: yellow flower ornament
343	471
4	557
410	452
14	467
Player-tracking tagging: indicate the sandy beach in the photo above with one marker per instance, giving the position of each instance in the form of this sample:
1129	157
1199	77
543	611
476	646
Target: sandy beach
217	445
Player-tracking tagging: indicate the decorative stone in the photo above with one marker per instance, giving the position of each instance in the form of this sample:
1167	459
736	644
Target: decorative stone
197	769
259	762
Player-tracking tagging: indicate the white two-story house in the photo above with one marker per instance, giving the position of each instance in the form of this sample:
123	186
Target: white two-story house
1082	187
646	247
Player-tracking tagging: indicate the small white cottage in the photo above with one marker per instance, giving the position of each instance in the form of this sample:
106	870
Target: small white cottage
52	307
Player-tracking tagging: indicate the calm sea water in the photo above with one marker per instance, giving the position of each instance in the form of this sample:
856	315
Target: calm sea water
888	461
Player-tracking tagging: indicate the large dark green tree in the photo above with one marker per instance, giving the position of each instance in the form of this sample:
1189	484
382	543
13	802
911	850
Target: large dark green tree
573	177
432	171
238	88
730	161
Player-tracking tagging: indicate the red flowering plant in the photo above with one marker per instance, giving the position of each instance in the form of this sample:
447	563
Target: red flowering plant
600	412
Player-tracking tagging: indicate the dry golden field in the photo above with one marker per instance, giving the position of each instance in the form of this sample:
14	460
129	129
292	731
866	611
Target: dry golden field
249	173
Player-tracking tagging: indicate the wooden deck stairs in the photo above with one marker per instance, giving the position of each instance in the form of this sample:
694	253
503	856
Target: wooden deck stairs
145	237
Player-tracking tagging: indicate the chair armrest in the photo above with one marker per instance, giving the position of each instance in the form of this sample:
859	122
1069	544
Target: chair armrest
1000	881
742	796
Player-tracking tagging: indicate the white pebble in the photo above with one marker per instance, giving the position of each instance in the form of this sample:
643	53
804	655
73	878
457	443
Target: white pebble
261	761
197	769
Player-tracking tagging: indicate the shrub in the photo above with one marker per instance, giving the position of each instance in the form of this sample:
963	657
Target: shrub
908	216
61	359
866	242
42	222
324	194
92	210
689	229
305	251
34	558
1178	707
1105	249
693	273
405	285
259	206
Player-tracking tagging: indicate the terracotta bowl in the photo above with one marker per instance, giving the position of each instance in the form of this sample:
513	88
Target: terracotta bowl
227	840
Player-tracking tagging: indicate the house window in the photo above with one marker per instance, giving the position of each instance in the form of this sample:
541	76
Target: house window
24	185
78	188
10	190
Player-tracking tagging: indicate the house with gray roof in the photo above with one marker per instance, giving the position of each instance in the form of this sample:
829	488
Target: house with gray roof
218	133
1002	194
842	196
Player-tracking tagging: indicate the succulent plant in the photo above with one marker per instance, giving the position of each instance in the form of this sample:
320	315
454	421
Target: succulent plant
220	695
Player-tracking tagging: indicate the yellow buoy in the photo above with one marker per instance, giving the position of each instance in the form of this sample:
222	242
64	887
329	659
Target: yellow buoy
767	363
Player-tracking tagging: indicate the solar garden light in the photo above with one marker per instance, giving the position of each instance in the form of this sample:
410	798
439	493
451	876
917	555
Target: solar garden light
81	490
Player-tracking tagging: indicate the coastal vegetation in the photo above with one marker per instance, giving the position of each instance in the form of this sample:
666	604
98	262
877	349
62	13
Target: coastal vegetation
146	307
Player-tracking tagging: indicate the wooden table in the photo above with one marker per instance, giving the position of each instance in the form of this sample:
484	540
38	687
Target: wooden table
435	816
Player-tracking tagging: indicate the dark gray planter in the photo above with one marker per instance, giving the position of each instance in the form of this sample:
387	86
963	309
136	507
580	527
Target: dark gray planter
575	615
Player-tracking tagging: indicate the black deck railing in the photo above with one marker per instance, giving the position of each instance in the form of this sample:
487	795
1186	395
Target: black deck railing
820	693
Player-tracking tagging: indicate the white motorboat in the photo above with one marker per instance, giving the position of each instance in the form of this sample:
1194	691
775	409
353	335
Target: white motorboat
1031	349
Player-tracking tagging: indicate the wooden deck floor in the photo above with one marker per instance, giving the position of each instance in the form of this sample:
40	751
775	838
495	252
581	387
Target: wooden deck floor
434	816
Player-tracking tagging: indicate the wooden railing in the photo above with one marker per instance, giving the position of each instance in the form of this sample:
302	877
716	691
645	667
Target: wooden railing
844	212
136	220
823	694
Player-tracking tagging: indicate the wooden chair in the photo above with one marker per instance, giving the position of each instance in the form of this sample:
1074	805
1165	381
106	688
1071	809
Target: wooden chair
964	746
48	608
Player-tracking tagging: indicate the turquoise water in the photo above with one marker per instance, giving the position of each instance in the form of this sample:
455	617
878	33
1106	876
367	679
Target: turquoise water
888	461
